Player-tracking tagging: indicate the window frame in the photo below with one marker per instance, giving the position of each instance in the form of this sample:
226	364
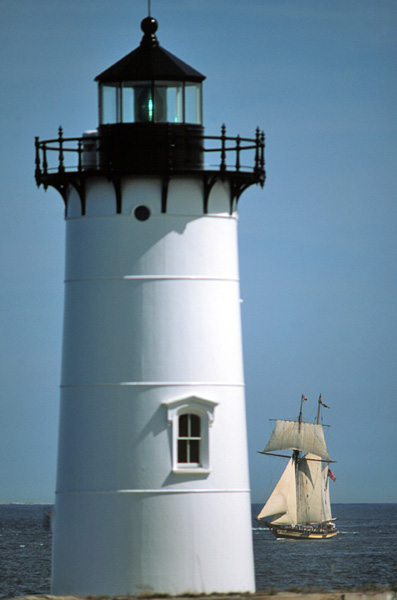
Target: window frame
204	409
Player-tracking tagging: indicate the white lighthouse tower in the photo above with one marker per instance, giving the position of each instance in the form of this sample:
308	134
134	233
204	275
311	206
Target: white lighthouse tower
152	492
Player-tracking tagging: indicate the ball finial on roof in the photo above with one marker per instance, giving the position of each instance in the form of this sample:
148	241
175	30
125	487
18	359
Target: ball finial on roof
149	25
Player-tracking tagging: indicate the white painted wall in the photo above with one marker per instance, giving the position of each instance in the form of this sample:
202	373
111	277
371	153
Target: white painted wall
152	315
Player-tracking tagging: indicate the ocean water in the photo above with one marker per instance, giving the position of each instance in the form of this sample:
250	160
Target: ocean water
364	553
25	550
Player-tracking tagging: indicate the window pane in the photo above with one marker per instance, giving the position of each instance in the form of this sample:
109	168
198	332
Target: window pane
194	426
183	426
143	104
150	103
194	451
182	451
109	104
160	104
193	103
128	105
174	103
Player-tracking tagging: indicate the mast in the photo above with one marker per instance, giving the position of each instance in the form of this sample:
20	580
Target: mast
303	399
320	404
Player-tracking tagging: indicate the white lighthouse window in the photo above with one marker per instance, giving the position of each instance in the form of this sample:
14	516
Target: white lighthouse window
190	420
189	439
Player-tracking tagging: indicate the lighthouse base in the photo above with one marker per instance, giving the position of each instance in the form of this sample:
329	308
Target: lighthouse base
112	543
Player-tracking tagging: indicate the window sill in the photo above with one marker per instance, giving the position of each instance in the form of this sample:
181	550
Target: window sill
191	470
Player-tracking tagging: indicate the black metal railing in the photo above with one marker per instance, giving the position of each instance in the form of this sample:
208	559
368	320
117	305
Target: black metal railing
236	146
61	156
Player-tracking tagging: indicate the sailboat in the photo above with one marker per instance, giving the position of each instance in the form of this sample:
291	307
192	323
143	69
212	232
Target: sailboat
299	506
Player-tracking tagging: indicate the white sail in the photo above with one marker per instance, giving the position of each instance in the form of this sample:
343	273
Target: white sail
309	486
326	507
292	435
282	503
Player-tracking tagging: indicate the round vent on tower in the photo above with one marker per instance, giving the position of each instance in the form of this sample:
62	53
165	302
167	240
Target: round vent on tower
142	213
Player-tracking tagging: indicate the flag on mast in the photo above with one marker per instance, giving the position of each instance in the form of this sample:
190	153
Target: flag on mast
332	475
322	403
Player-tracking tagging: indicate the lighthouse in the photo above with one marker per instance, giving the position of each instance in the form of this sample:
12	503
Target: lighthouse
152	490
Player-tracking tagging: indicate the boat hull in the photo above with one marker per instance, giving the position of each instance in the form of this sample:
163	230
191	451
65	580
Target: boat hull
303	532
303	535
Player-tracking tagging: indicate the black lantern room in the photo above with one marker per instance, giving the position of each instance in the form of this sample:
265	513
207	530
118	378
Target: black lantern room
150	85
149	99
150	123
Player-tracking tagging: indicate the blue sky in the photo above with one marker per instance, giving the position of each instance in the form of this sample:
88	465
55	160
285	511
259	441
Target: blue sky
318	245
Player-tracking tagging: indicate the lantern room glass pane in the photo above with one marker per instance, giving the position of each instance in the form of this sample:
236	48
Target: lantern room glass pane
143	102
193	103
127	104
109	109
161	102
174	103
150	103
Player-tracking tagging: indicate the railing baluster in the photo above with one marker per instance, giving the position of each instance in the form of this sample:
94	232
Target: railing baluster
45	163
223	149
37	172
238	141
61	167
263	150
80	152
257	146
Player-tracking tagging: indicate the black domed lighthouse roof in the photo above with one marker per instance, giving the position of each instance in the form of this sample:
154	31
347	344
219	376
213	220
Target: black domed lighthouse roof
150	61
